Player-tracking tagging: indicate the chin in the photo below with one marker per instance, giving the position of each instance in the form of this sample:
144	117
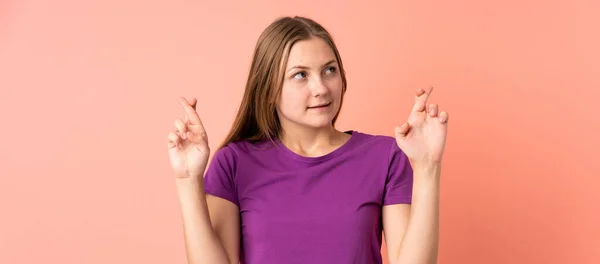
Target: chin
319	122
313	120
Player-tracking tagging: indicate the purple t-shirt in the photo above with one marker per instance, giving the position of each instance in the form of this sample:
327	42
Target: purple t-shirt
297	209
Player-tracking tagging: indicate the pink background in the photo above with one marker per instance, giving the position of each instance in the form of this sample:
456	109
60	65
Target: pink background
88	94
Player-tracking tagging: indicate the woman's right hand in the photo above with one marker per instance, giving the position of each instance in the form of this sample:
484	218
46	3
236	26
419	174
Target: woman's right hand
188	143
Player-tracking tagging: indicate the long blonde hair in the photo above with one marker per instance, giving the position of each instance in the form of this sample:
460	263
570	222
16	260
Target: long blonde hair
256	119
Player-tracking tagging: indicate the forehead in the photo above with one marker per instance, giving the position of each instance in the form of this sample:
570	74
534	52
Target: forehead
313	52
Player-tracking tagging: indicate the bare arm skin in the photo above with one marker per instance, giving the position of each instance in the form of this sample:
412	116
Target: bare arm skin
211	225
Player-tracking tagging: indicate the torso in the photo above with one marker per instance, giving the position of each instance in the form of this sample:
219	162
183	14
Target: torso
326	209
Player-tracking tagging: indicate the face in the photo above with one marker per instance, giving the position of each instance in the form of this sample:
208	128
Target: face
312	87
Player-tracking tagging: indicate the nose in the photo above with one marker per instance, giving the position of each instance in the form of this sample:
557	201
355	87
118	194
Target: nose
318	87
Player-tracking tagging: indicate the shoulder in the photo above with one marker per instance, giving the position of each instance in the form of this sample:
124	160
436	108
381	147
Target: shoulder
380	148
239	149
226	161
373	138
381	143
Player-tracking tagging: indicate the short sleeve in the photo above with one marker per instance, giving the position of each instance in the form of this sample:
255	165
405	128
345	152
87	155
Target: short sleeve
399	181
219	177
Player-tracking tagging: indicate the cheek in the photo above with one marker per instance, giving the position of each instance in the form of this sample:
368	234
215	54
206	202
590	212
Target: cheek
290	102
336	87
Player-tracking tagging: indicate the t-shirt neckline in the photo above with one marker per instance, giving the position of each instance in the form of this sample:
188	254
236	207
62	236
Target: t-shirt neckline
336	152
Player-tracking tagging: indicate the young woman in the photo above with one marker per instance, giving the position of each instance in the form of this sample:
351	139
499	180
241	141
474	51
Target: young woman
287	187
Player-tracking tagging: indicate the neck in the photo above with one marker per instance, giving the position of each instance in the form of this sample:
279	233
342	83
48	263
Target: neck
312	142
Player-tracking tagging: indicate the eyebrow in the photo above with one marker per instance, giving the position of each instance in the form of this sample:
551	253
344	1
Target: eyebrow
304	67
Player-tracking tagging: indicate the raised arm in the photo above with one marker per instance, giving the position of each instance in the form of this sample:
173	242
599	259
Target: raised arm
210	224
412	231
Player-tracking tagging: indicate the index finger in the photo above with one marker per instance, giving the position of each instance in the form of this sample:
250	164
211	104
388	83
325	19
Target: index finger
192	102
421	100
190	112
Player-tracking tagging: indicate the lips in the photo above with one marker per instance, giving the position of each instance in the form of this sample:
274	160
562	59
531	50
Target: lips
320	105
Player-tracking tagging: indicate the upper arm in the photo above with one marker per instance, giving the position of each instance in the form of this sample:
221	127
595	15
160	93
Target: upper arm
222	200
225	220
395	221
397	200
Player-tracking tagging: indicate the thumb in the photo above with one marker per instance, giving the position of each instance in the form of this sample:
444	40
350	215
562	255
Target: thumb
200	141
402	131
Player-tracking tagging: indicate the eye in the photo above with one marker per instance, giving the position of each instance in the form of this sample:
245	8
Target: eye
330	70
299	75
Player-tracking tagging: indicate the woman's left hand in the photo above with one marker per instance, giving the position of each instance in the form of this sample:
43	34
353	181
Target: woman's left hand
423	136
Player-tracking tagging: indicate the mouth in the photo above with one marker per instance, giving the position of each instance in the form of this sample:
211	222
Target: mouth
320	106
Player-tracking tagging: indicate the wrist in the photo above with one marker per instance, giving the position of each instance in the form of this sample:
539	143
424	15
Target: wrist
190	191
426	172
426	166
190	184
